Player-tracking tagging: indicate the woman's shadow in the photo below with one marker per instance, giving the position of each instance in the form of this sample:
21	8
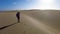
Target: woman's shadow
7	26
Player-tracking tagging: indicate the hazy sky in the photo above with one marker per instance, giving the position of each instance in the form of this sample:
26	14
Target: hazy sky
29	4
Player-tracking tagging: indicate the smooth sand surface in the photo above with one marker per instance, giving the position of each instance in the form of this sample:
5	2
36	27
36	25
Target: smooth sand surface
9	19
31	22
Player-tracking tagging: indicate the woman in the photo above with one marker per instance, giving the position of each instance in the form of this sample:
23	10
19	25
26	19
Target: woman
18	16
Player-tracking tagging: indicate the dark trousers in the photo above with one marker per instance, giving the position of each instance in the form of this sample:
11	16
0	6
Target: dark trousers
18	18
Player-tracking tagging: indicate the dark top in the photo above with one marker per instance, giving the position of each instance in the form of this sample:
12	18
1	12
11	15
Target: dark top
18	14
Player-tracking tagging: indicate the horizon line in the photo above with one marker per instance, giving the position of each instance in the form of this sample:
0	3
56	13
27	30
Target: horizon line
29	9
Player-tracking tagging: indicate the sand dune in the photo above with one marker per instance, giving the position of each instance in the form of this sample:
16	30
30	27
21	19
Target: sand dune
31	22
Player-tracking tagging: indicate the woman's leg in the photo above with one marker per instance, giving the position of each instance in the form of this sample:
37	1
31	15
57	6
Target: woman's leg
18	19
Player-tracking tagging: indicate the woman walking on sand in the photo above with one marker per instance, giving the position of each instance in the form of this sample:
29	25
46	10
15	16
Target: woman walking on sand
18	16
